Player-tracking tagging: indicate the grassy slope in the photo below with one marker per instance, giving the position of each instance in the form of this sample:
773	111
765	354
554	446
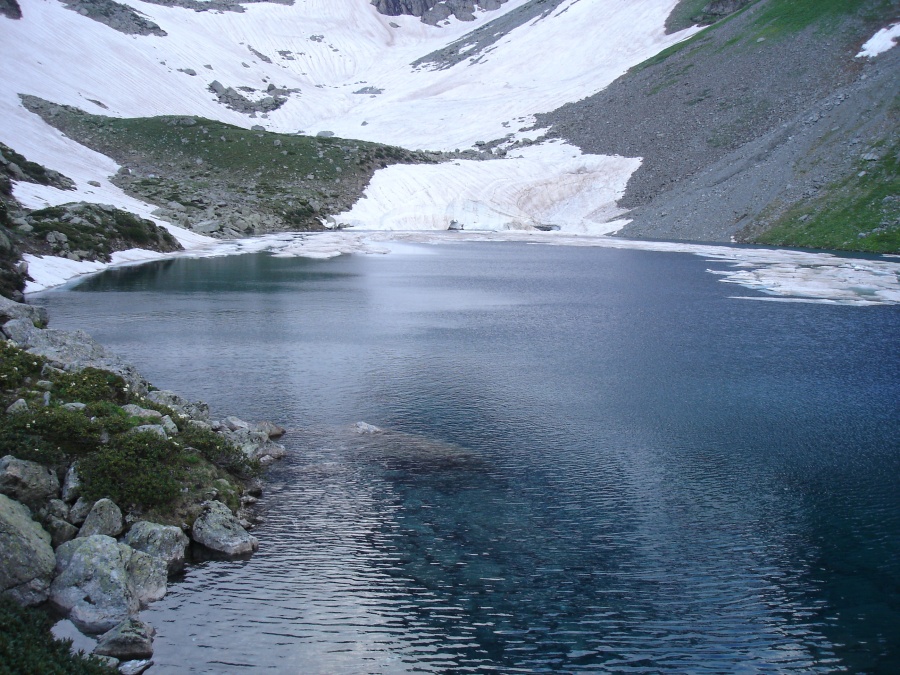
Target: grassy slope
219	171
857	212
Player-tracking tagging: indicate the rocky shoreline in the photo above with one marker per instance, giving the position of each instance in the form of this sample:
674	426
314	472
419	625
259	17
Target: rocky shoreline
94	561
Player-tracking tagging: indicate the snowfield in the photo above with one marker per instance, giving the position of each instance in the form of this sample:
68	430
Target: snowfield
351	71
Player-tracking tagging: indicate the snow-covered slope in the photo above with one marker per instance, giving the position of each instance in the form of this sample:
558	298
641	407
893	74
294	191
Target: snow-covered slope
326	51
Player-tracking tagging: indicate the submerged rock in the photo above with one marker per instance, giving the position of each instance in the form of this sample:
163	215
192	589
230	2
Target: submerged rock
218	529
27	560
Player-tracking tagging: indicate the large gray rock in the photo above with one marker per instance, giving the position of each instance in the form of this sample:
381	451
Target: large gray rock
26	556
16	310
28	482
104	518
195	411
217	529
72	351
131	639
161	541
100	583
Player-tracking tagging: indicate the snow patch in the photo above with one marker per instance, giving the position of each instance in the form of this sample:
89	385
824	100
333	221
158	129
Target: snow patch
882	41
551	185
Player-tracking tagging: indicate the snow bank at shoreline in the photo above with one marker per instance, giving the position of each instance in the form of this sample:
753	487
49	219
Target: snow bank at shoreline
781	274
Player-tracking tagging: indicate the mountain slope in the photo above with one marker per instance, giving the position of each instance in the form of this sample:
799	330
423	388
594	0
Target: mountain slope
747	121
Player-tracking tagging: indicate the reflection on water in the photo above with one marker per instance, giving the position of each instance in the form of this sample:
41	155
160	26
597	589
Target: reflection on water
593	461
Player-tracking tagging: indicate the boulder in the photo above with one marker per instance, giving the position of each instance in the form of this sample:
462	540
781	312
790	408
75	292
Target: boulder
135	667
104	518
19	405
138	411
10	310
157	429
100	583
71	489
27	560
28	482
131	639
165	542
216	528
80	510
271	430
60	530
195	411
72	351
168	425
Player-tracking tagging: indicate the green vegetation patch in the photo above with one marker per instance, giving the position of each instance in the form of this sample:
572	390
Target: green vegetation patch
92	232
785	17
28	646
142	469
861	212
136	469
211	174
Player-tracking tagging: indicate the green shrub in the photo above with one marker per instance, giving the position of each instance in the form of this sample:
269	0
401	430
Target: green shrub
143	469
27	646
219	451
111	417
24	445
64	432
17	364
89	385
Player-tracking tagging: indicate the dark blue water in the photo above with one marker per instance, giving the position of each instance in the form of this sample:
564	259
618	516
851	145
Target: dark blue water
595	461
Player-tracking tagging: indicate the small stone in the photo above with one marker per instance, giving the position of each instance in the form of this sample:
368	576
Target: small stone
19	405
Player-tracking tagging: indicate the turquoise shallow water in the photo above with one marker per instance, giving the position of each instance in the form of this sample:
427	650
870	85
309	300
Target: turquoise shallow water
595	461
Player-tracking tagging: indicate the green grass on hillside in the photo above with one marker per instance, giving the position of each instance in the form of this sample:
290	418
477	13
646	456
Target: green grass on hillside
857	213
784	17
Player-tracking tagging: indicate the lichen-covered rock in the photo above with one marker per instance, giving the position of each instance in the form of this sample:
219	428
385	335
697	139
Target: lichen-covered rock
131	639
80	510
27	560
100	583
28	482
218	529
165	542
104	518
147	575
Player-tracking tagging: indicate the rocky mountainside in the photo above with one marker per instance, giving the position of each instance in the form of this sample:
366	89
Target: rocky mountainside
754	122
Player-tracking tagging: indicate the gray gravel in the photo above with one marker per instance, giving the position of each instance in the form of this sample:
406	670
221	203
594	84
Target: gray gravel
722	125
